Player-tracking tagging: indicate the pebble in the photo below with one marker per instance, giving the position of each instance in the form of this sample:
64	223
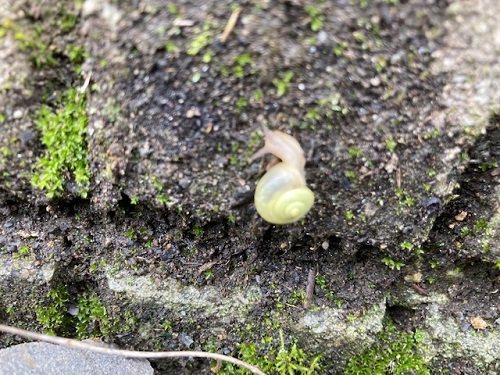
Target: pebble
186	340
17	114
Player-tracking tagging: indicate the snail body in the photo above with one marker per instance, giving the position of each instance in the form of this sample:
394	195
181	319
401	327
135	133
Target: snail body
281	196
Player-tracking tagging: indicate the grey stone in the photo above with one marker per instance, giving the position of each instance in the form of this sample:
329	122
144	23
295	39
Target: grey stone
38	358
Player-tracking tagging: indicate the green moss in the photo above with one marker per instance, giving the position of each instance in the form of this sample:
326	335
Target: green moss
355	153
41	53
163	199
209	274
406	245
482	227
64	134
297	298
241	104
156	183
258	95
339	49
405	200
67	21
390	144
173	9
486	166
52	313
380	63
254	143
130	234
37	38
334	104
92	318
23	252
203	37
392	264
316	16
234	157
5	151
349	215
241	66
351	175
326	109
432	135
283	83
395	353
198	231
240	63
277	359
76	55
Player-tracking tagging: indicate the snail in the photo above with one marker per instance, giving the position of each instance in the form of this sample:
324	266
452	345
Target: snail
281	196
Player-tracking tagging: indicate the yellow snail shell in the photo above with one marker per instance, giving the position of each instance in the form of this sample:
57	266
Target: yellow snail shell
281	196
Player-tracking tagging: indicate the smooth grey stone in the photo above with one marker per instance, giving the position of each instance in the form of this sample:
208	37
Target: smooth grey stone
38	358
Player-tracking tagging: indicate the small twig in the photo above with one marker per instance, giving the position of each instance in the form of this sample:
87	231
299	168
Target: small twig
311	281
205	267
125	353
419	290
86	83
230	25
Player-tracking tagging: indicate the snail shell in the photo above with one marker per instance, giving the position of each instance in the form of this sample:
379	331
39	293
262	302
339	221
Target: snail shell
281	196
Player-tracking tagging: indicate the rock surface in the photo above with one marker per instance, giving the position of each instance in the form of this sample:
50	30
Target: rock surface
38	358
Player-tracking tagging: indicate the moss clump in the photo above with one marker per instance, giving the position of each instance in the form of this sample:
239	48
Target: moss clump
91	318
277	360
64	134
39	36
394	353
202	39
52	313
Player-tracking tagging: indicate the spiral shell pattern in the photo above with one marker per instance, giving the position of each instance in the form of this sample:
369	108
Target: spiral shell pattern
281	196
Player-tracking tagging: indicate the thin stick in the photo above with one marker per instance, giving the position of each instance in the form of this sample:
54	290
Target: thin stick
86	83
125	353
230	25
311	281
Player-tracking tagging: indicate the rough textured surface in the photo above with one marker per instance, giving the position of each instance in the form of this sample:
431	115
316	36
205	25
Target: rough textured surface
397	107
38	358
